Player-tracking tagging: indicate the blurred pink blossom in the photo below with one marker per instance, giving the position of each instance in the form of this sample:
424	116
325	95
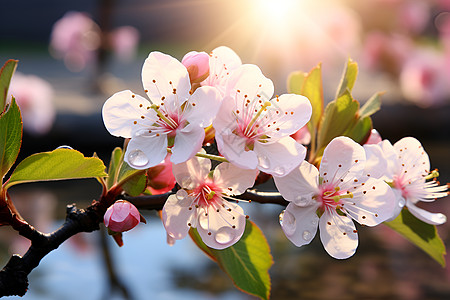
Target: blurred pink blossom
74	39
424	79
124	41
35	99
386	52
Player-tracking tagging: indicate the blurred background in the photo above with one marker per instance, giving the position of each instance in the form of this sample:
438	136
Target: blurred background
74	55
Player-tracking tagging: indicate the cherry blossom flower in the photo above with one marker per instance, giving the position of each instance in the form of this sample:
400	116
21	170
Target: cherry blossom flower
173	118
331	197
124	41
121	216
34	96
253	132
223	61
408	172
202	202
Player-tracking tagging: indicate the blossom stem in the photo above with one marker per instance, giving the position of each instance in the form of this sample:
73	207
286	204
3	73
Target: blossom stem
212	157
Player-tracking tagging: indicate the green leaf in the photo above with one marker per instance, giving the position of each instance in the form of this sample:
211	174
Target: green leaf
371	106
360	132
295	82
310	86
132	181
339	117
247	262
348	78
113	169
10	137
421	234
6	74
58	164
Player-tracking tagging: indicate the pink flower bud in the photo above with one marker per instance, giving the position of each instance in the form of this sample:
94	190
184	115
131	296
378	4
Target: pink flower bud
197	64
121	216
160	177
374	137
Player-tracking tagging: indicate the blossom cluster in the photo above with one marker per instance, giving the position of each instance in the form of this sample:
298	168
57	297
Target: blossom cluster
216	95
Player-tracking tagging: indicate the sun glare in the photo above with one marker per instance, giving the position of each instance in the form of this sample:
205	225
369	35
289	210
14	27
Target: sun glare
277	8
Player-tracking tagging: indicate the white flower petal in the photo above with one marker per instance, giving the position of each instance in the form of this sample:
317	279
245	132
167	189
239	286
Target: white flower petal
124	108
161	74
372	203
291	112
144	152
376	163
338	235
415	161
216	228
233	179
222	62
299	224
176	218
203	106
343	160
225	120
187	144
391	157
232	147
246	83
300	185
192	172
426	216
281	157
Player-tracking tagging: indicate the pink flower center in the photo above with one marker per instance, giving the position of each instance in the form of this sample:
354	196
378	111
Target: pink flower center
207	194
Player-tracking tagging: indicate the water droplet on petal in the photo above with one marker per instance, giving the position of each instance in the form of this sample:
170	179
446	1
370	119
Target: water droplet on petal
314	222
64	147
279	171
187	182
306	235
287	221
263	161
137	158
225	235
301	201
183	198
401	202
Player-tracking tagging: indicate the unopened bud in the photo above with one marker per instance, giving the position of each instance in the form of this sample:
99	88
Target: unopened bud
197	64
121	216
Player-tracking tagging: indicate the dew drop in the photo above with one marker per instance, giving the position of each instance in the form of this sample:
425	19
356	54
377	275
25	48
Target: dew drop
183	198
287	221
64	147
401	202
225	235
306	235
263	161
301	201
314	222
137	158
187	182
279	171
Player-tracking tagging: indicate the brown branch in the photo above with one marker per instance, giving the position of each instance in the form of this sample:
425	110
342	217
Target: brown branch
156	202
14	276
